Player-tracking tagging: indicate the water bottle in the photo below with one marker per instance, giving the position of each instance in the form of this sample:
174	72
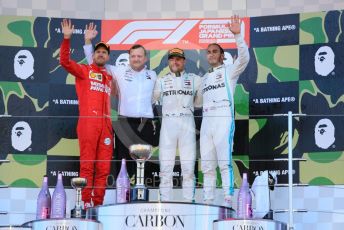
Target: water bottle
244	210
123	185
58	203
43	201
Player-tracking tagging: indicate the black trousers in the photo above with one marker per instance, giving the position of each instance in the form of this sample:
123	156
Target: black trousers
129	131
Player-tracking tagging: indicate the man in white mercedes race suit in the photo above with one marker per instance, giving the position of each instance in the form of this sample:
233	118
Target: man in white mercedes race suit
176	92
217	129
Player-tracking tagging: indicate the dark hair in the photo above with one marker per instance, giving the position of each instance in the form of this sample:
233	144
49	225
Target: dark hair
138	46
215	44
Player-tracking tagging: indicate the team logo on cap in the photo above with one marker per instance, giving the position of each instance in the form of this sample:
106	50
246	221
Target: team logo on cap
176	52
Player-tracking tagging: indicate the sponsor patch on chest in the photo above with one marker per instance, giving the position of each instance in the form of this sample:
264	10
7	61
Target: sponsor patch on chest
207	88
99	87
218	76
187	82
95	76
168	84
177	92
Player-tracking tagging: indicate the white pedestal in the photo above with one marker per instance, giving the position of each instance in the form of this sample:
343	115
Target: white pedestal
258	224
14	228
159	215
72	224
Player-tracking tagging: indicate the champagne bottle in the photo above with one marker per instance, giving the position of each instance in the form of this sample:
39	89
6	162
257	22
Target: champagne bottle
43	201
58	204
244	210
123	185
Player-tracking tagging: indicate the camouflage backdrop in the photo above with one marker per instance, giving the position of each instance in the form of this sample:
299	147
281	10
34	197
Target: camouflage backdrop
297	64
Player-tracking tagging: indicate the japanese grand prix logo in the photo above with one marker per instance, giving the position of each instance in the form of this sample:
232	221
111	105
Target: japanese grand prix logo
166	34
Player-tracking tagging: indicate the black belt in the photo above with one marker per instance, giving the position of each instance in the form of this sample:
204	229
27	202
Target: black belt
141	120
135	119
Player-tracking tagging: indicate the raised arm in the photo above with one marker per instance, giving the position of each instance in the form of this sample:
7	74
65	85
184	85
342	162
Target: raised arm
243	55
90	33
65	61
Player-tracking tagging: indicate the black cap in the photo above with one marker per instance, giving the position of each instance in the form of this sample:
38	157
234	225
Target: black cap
176	52
102	44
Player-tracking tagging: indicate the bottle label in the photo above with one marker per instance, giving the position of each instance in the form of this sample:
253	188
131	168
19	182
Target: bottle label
123	195
248	213
45	213
244	208
59	207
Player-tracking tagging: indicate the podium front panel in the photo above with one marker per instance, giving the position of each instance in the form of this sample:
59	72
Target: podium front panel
159	215
256	224
64	224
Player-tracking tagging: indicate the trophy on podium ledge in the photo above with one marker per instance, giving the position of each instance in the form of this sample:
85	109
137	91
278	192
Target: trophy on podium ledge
140	153
78	183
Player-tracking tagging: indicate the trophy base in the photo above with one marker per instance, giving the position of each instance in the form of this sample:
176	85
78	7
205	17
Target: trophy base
78	213
139	194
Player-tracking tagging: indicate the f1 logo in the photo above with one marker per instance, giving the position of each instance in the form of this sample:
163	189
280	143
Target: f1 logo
170	33
170	30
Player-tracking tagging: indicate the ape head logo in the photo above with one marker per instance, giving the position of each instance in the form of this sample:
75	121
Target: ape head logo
24	64
21	136
122	60
324	133
324	61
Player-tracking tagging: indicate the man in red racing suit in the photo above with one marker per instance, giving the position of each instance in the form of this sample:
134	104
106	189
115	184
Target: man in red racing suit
93	88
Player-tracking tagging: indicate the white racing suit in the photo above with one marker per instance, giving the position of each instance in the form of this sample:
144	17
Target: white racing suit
217	129
176	95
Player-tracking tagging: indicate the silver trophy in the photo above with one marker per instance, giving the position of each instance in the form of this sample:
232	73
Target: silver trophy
140	153
78	183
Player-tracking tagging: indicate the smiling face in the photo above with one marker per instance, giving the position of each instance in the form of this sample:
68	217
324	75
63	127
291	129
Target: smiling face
215	55
100	56
176	64
137	58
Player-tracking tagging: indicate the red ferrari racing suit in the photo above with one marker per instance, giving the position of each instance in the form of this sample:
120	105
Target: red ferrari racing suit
93	88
